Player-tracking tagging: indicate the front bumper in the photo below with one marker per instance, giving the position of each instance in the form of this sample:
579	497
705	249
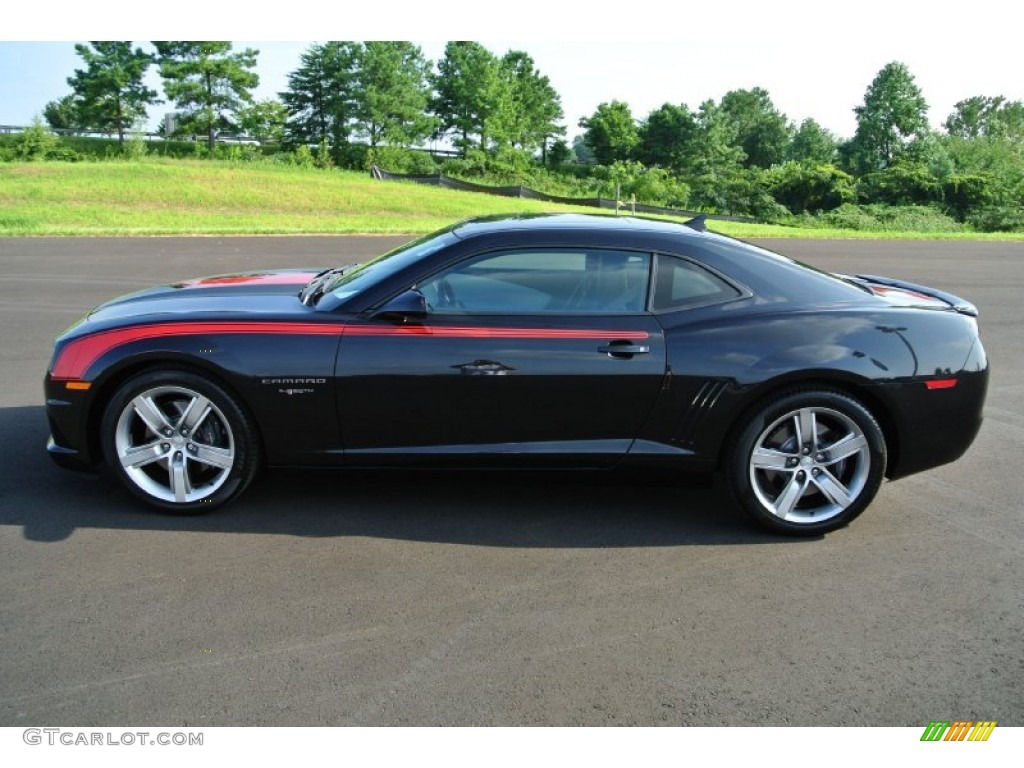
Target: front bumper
69	444
67	458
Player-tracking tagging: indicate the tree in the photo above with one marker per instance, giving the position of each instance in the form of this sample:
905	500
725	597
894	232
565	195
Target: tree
812	143
988	116
35	143
762	132
894	114
63	113
806	186
715	150
903	183
321	94
718	180
534	108
110	92
987	184
391	93
559	154
611	132
468	93
584	154
666	137
498	105
206	81
263	120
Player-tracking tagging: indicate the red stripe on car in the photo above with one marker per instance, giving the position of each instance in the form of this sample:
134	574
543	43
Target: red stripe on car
275	278
78	355
456	332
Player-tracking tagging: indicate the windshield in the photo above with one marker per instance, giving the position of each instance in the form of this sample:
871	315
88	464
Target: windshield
352	281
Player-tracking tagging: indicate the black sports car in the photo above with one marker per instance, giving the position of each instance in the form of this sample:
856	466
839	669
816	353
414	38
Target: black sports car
556	340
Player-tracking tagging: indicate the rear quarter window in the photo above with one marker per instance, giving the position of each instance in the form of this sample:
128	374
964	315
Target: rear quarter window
680	283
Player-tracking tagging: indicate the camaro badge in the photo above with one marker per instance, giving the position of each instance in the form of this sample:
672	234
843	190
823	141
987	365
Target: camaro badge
293	390
292	381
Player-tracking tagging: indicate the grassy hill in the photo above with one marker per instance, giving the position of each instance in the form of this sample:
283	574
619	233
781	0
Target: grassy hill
163	197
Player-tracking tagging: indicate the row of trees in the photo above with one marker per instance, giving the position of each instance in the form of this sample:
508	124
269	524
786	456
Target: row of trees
382	92
388	93
741	154
206	80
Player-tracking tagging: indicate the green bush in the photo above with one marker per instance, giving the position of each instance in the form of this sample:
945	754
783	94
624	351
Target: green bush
887	218
136	147
323	159
998	218
352	156
36	144
807	186
401	160
303	156
902	184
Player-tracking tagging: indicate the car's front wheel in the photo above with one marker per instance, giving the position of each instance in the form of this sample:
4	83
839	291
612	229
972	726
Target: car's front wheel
179	441
807	462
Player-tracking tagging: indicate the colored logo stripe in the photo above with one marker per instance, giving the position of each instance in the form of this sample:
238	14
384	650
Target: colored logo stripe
959	730
78	355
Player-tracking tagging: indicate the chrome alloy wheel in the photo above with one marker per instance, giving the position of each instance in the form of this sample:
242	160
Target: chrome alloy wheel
810	465
174	444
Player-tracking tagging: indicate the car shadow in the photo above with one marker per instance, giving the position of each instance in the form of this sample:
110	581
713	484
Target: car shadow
522	509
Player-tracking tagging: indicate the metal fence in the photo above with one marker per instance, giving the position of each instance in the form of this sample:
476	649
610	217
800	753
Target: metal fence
440	180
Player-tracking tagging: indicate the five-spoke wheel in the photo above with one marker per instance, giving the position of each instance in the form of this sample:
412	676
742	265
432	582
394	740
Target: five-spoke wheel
808	462
178	441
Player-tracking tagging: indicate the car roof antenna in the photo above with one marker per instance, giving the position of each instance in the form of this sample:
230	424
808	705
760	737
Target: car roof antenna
698	223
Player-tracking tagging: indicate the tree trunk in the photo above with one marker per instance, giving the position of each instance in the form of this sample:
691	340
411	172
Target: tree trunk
120	124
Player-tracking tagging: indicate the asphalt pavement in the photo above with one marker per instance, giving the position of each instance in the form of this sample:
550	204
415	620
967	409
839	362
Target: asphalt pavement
467	599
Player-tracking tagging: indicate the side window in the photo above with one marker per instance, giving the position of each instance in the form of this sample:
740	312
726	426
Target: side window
585	281
681	283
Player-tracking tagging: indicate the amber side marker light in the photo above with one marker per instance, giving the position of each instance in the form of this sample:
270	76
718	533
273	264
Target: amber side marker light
77	385
940	383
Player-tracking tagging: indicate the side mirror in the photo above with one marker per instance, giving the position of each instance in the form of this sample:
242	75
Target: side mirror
406	306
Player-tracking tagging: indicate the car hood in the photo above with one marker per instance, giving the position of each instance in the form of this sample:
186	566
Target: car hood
266	292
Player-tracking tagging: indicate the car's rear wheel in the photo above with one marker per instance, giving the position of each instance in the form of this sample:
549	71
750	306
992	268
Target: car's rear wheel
807	462
179	441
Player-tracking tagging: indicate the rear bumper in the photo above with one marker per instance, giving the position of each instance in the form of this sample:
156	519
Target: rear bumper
937	426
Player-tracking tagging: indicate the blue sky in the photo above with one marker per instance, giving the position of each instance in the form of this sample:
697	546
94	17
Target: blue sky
815	59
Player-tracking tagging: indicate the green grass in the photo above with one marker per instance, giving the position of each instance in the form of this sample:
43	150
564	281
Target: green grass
194	197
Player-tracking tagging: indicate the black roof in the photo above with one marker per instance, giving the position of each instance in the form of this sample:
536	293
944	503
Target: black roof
568	221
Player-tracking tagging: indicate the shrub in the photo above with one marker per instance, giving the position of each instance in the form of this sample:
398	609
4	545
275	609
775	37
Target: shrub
902	184
36	144
400	160
810	187
303	156
135	148
998	218
322	158
887	218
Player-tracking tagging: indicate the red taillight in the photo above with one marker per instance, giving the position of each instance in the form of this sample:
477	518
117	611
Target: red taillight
940	383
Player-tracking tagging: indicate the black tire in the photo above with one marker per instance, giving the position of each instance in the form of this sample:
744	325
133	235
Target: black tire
806	462
179	442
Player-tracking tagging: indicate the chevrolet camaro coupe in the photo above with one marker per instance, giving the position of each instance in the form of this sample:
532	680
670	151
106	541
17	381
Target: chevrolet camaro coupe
574	341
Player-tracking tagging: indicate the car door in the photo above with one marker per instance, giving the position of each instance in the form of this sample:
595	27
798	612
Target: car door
525	355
